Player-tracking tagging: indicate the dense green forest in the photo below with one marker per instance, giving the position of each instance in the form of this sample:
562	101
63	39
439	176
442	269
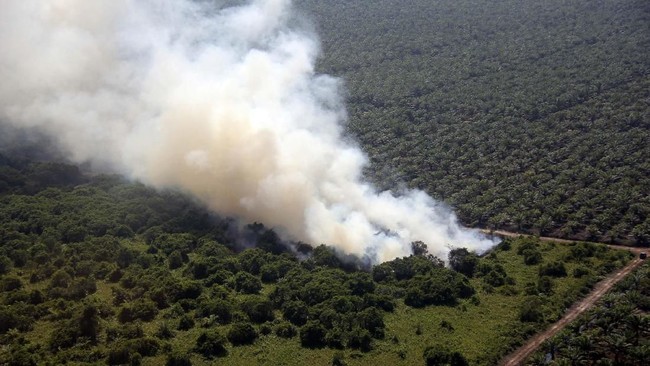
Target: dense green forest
524	115
94	269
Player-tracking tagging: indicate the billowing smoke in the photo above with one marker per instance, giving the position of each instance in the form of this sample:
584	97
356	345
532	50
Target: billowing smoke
219	101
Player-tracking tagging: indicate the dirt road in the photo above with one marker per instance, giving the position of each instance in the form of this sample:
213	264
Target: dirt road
510	234
519	356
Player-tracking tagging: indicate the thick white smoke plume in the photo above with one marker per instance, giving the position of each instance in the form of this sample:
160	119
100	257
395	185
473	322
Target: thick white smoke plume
221	102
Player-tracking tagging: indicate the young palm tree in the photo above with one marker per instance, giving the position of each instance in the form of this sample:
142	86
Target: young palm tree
637	325
618	346
575	356
583	344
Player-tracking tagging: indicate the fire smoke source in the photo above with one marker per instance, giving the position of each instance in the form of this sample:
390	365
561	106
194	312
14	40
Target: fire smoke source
220	102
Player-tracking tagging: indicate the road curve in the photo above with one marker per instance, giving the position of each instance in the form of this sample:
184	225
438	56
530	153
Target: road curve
519	356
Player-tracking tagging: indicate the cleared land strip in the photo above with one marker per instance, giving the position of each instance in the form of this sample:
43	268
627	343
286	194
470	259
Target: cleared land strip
519	356
635	250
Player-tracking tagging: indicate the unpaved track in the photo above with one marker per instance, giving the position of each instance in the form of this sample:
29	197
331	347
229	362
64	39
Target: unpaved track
519	356
510	234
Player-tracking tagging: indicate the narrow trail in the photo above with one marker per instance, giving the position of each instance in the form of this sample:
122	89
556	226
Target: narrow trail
519	356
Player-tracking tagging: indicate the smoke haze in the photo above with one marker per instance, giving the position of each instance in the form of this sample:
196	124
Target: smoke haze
220	102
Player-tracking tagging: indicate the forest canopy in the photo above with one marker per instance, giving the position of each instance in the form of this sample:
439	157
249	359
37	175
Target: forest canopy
524	115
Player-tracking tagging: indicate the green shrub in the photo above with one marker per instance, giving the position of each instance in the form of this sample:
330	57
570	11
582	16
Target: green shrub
360	339
242	333
145	346
185	322
312	334
505	245
178	359
60	279
18	355
265	329
296	312
119	355
545	285
384	302
285	330
580	272
463	261
175	260
269	273
221	309
164	331
335	338
136	359
531	310
532	256
246	283
258	309
64	336
494	278
142	309
372	320
5	264
10	283
338	359
125	331
553	269
440	356
383	273
211	343
415	297
80	288
444	324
